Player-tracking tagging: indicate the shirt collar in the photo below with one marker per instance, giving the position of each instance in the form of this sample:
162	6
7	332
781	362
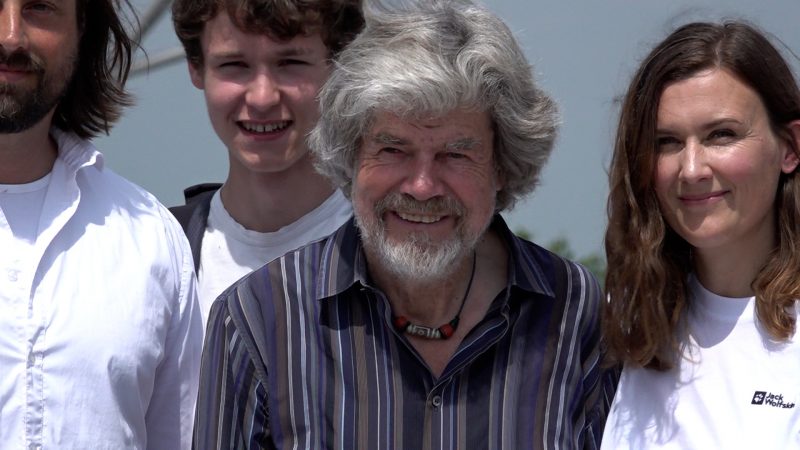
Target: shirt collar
75	152
345	265
530	266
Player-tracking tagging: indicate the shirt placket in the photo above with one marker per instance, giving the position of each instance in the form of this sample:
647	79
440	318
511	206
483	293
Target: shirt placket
34	369
20	323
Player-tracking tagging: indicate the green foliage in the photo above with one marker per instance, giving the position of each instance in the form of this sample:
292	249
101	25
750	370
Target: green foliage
595	261
524	234
596	264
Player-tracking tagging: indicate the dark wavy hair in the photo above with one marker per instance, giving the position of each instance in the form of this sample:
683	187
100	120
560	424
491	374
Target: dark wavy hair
94	100
337	21
648	262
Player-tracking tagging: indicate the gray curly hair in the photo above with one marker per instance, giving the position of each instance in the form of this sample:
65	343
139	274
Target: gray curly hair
426	60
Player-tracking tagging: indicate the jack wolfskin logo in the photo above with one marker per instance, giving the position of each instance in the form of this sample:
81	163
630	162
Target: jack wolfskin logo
770	399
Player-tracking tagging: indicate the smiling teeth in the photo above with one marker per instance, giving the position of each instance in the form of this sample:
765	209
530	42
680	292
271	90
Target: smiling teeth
264	128
419	218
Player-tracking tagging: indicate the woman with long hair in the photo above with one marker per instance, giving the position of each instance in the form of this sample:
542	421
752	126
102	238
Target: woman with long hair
703	246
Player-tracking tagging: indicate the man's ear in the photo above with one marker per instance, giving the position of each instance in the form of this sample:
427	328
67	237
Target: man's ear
196	74
791	157
499	178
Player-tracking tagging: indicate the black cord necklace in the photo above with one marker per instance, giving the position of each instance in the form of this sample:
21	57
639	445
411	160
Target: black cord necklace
403	325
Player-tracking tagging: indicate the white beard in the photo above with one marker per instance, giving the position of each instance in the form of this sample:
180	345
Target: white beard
417	258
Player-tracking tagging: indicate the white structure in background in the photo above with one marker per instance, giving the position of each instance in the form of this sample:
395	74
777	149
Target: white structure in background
147	19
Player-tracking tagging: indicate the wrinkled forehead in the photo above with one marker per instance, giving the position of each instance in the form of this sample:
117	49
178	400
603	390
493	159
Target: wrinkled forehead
428	118
456	130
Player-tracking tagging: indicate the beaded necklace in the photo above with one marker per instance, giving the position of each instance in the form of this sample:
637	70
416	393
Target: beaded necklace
403	325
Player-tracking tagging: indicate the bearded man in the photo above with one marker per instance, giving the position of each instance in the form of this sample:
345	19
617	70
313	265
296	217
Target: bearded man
100	331
424	322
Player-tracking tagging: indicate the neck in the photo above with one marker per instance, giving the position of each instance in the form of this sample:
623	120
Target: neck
28	155
429	303
267	202
445	330
730	272
433	303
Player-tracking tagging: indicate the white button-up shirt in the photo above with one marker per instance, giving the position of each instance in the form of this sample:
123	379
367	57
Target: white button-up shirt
100	331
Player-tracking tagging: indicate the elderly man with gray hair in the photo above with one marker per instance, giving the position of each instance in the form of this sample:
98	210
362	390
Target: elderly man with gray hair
423	323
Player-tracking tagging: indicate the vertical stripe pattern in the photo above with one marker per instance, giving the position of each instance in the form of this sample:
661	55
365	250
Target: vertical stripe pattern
301	354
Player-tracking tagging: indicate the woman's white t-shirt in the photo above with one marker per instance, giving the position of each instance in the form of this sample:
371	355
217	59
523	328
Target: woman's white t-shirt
735	388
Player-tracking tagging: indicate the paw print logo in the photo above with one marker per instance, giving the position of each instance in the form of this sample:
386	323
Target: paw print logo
758	398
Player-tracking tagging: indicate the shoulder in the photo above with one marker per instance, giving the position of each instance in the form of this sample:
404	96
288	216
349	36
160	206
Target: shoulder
575	275
198	203
130	212
290	281
257	309
99	185
197	195
576	285
104	187
292	287
557	273
575	291
80	160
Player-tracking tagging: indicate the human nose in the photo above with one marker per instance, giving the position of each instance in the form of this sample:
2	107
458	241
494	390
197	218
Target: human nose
12	28
263	92
694	163
423	181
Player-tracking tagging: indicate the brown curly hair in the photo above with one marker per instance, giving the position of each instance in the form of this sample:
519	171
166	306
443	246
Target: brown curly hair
337	21
648	263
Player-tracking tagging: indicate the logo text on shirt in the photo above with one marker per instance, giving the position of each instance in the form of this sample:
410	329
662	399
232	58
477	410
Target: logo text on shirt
770	399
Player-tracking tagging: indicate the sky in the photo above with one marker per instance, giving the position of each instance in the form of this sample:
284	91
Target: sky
583	53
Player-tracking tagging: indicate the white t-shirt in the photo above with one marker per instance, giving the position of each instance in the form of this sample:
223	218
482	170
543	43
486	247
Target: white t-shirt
230	251
20	208
100	331
738	389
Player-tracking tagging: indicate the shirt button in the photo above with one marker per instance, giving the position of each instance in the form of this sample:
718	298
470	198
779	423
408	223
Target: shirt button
12	274
31	359
436	401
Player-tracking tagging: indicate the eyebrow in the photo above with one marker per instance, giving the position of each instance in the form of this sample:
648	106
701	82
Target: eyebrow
388	139
467	143
706	126
282	53
224	54
294	51
722	121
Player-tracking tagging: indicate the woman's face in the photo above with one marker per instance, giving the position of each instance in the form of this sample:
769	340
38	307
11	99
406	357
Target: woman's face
718	163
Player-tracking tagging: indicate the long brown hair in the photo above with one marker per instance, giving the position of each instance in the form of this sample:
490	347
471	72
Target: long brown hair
648	262
96	95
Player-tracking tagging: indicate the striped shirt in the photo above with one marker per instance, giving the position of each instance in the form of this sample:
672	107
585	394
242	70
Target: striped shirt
302	354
